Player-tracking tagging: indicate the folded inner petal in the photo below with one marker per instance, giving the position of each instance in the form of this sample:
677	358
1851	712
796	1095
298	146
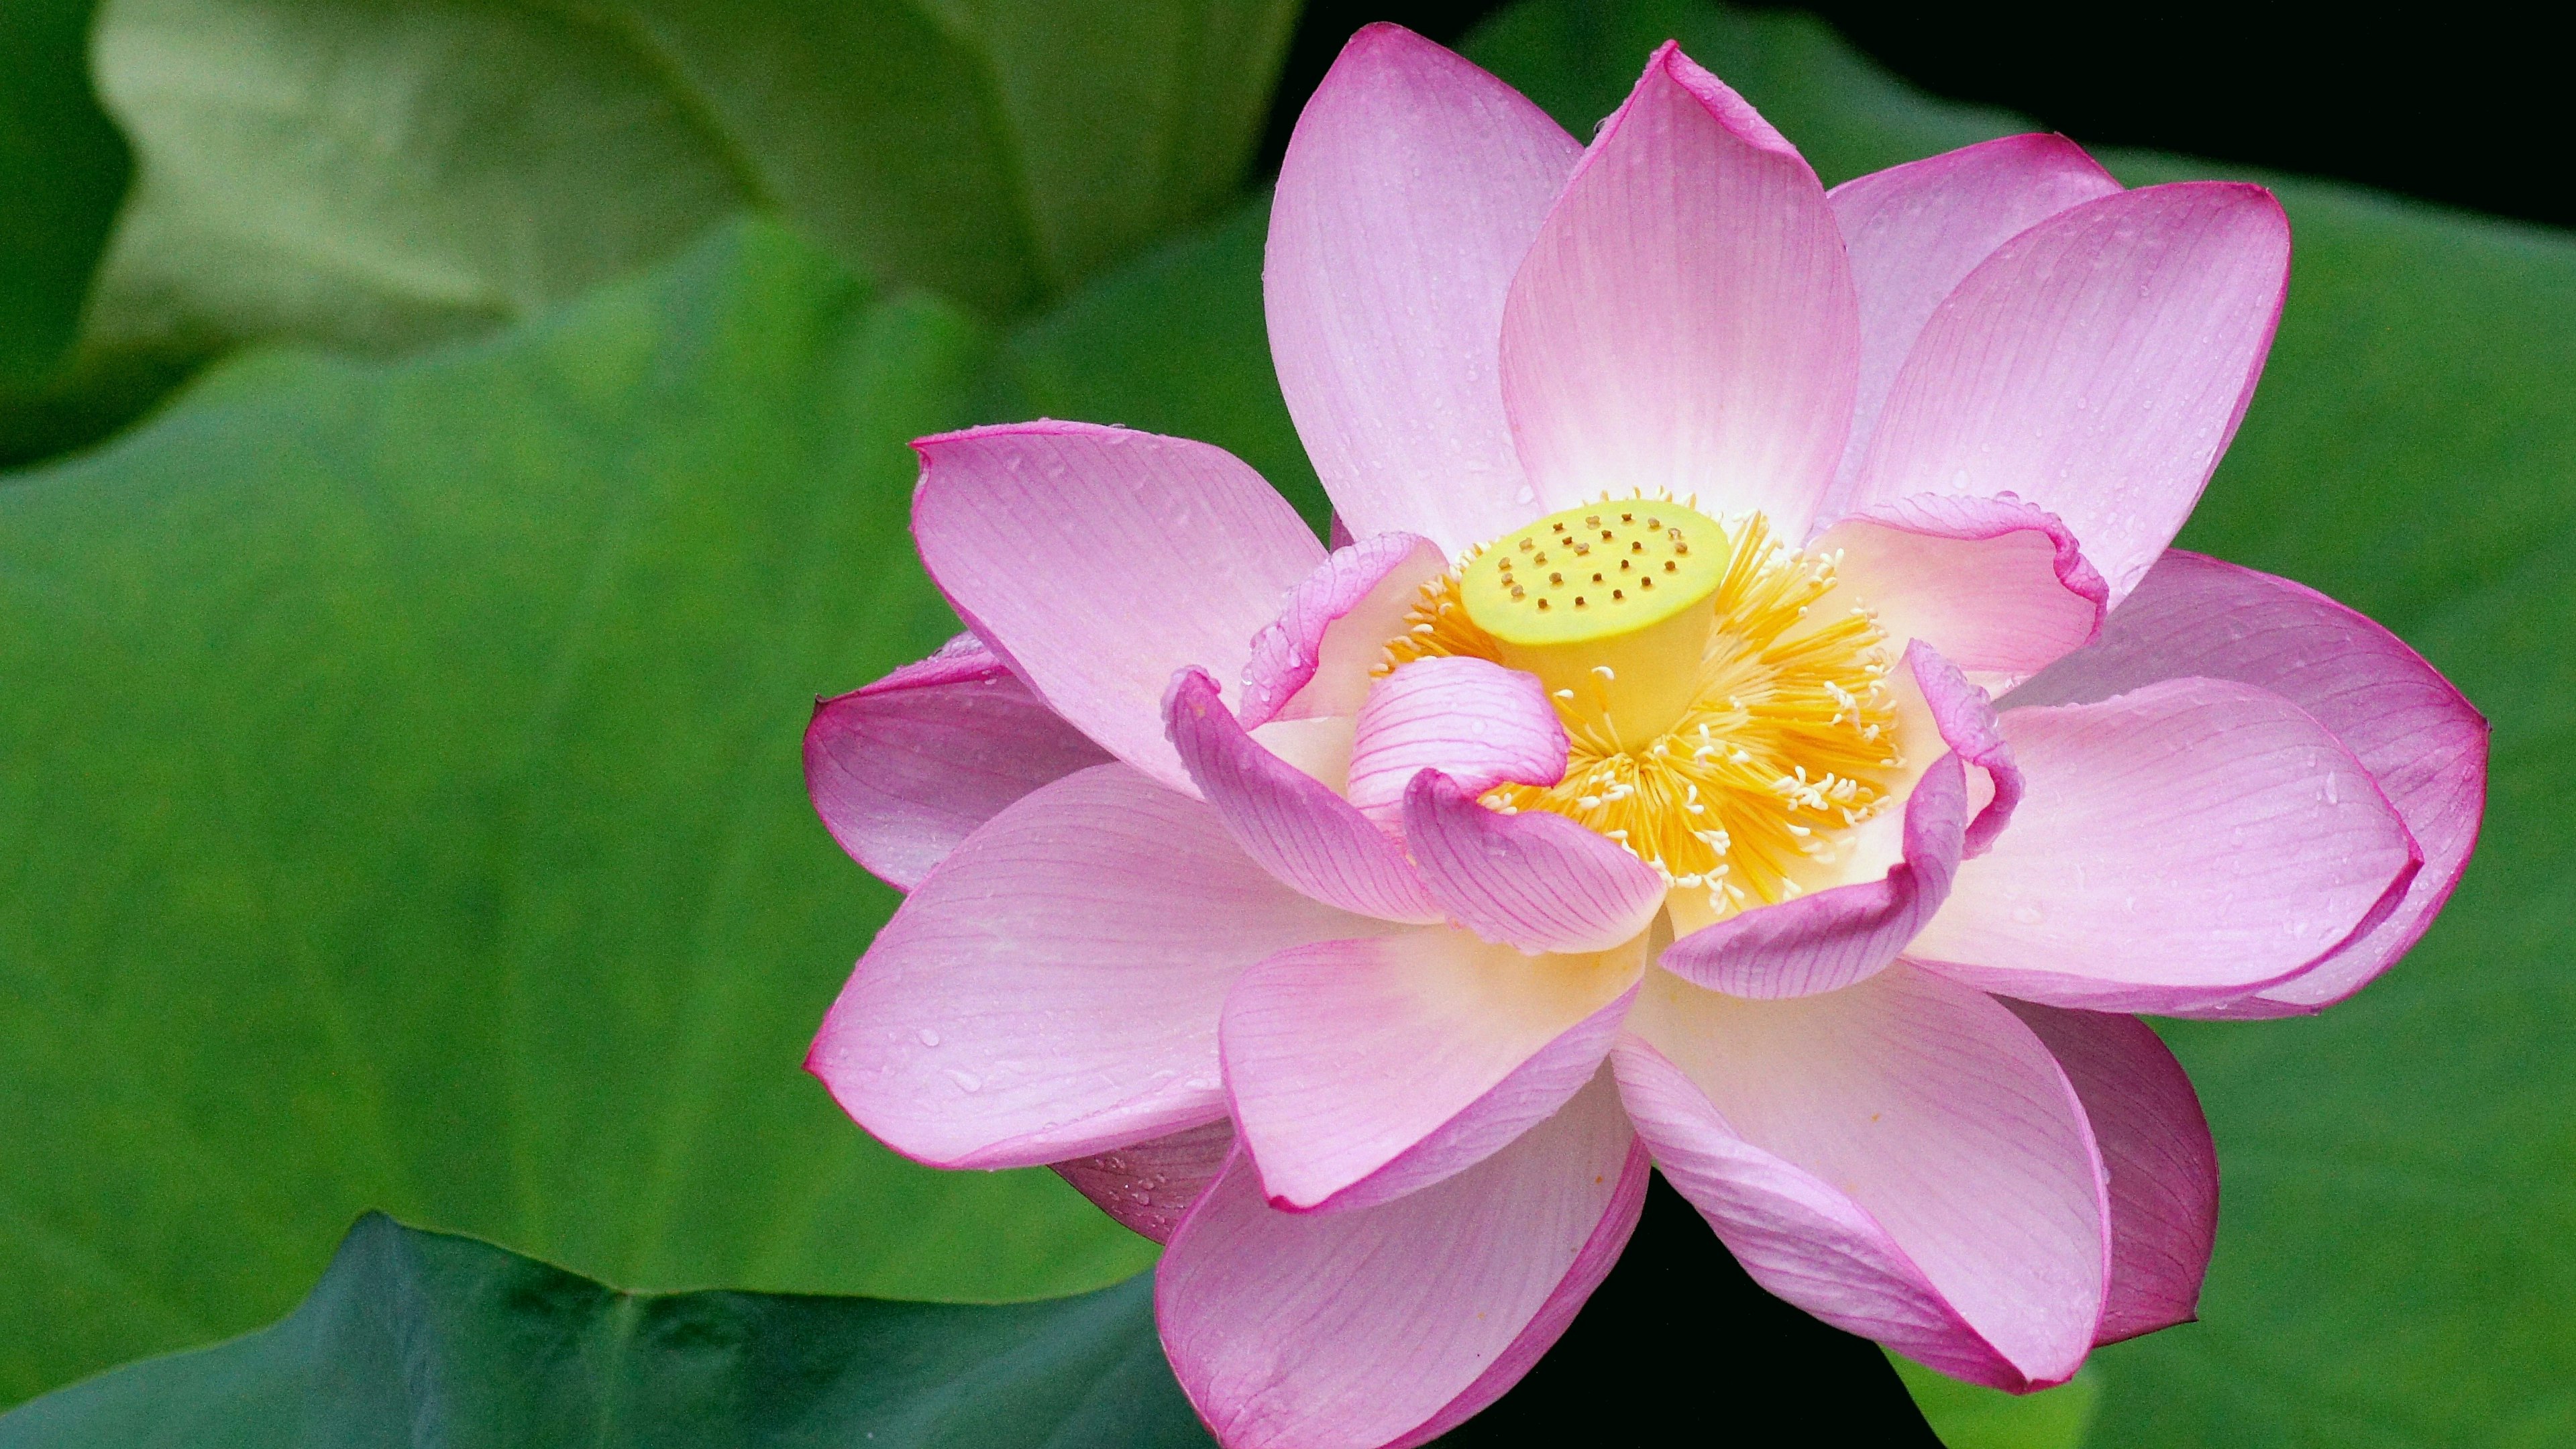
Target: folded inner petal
1391	1325
1471	719
1052	988
1362	1070
1999	587
1097	560
2179	845
1319	656
1149	1186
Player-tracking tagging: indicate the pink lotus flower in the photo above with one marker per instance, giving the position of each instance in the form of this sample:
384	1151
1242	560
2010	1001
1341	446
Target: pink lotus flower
1361	925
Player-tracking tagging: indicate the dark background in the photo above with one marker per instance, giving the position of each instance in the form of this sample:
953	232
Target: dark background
2463	103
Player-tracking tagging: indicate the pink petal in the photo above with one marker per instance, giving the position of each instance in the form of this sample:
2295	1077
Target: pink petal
1051	989
1364	1070
2095	365
1096	561
1901	1158
1148	1186
905	768
2179	846
1410	191
1316	659
1999	587
1294	825
1847	933
2423	743
1685	319
1393	1325
1470	719
1533	881
1915	231
2156	1148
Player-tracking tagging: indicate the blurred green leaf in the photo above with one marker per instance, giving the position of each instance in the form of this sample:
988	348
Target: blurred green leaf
1968	1416
437	1342
404	811
380	173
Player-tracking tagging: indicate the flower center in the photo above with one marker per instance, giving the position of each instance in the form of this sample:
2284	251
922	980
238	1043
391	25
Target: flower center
1729	723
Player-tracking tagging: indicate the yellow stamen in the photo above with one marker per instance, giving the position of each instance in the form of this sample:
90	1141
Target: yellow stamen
1727	741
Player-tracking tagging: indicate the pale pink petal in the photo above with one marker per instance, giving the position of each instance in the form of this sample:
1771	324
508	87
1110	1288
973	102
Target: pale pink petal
1052	988
1533	881
1471	719
1940	1120
905	768
1685	319
1097	560
2179	846
2155	1146
1364	1070
1147	1186
1390	1326
1286	819
2096	365
2423	743
1411	189
1316	659
1915	231
1999	587
1846	933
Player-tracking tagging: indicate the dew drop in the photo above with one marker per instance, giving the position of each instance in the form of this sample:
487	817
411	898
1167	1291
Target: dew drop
966	1081
929	1038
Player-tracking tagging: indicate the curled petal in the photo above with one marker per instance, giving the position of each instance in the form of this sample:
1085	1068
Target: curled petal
1052	988
1915	231
1364	1070
1147	1186
905	768
1471	719
1846	933
1684	320
1289	821
2179	846
1410	192
1392	1325
1534	881
1316	658
1901	1158
2423	743
1999	587
1097	560
2097	365
2156	1148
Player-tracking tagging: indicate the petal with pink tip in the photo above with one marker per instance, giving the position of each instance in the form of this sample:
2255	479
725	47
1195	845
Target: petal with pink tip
1901	1158
1411	189
1392	1325
1685	319
905	768
1471	719
1847	933
2179	846
1915	231
2423	743
1097	560
1148	1186
1533	881
1289	821
1052	988
1999	587
2096	365
1317	657
1364	1070
2156	1148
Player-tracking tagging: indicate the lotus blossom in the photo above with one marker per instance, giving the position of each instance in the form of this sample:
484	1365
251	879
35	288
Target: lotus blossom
1754	727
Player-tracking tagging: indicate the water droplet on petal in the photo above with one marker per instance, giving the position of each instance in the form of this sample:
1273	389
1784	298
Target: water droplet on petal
966	1081
929	1038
